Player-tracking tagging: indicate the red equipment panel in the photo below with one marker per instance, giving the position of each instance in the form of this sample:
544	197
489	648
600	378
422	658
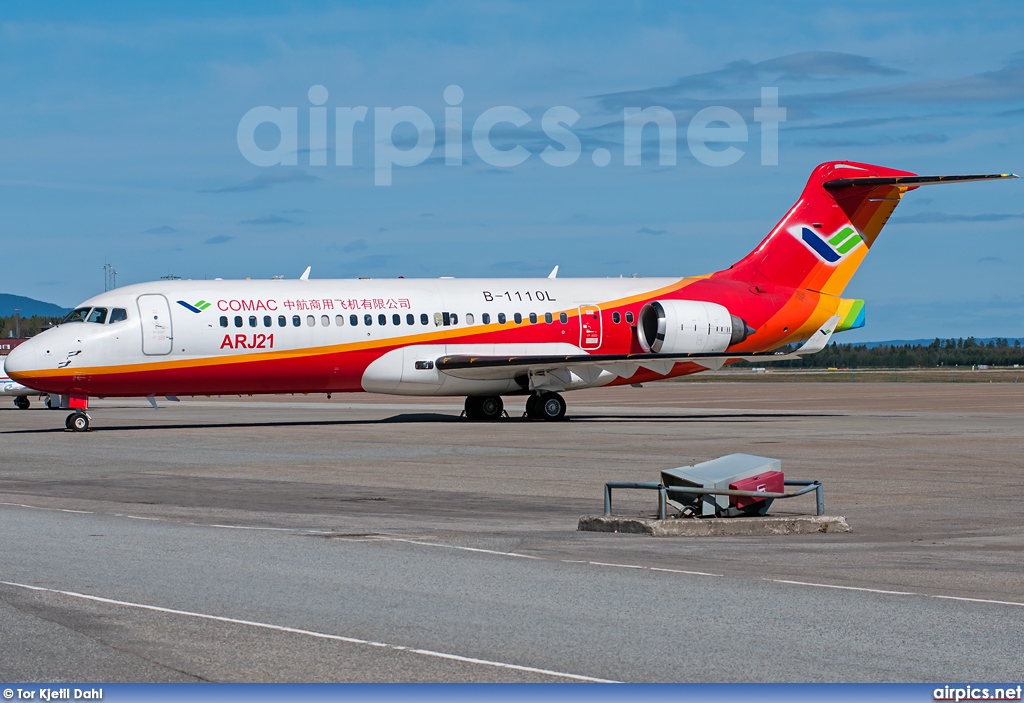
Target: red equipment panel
769	482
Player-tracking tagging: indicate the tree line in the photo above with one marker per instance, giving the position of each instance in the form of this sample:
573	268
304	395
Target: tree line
940	352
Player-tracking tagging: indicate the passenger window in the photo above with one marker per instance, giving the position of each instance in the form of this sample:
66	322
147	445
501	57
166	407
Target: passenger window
469	318
563	318
518	318
382	319
118	314
268	321
282	321
310	321
339	320
98	315
368	320
252	320
396	319
616	318
455	319
424	319
501	318
533	318
353	320
410	319
548	318
437	319
238	320
223	320
296	321
325	320
486	318
629	317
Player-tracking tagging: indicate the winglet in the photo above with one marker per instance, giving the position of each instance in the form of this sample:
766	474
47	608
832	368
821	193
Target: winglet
554	273
305	274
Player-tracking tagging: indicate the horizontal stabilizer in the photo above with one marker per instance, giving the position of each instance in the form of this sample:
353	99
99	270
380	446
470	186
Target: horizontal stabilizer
910	181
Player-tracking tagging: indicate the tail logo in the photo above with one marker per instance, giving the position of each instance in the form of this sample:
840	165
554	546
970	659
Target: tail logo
834	248
198	307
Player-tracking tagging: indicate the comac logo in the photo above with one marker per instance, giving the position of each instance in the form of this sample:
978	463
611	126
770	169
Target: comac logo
198	307
835	248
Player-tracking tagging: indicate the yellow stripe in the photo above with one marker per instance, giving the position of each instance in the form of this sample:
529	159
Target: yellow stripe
208	361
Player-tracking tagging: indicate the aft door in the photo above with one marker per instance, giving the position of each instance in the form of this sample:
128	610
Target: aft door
590	327
155	313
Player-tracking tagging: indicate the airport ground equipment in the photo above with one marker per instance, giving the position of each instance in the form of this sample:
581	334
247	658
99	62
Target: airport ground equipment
730	486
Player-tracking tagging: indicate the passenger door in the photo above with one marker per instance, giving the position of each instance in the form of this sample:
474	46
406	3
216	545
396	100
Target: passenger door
590	327
155	313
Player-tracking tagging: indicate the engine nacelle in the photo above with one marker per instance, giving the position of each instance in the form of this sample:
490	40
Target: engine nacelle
688	327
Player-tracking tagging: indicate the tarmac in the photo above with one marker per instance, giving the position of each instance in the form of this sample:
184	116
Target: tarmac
373	538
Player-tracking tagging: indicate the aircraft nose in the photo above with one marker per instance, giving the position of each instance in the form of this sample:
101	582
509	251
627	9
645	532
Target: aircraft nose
21	360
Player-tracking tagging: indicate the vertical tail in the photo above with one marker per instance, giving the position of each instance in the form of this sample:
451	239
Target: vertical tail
821	241
823	238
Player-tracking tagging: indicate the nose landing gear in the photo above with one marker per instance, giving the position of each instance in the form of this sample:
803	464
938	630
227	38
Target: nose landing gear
77	421
21	402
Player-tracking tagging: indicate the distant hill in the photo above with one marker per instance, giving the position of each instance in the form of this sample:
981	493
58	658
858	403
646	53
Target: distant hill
27	307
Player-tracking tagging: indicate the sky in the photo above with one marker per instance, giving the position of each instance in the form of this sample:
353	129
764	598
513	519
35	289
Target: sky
122	142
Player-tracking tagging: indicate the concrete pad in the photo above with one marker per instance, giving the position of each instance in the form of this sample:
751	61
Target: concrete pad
715	527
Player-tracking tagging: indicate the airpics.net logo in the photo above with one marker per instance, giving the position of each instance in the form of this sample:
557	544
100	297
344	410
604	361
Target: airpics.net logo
831	250
197	308
406	136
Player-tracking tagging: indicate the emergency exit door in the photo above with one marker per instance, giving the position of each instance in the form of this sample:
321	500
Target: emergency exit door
590	327
155	313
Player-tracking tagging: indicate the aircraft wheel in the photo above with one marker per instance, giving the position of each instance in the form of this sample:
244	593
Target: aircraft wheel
533	410
552	406
484	407
77	421
47	403
21	402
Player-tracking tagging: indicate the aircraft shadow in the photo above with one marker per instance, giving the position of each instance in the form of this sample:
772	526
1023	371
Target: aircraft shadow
427	418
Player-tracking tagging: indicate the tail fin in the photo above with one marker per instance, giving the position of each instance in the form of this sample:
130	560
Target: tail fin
821	241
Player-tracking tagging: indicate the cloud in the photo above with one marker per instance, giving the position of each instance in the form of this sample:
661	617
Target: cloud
877	140
219	239
267	180
990	260
942	217
648	230
800	67
294	211
268	220
162	229
355	245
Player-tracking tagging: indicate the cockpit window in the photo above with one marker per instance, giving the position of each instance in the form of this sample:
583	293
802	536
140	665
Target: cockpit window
76	315
98	315
119	314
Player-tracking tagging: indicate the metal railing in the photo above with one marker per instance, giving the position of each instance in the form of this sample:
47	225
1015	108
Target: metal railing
663	491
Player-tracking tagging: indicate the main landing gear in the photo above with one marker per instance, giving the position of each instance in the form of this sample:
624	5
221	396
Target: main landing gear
539	406
77	421
545	406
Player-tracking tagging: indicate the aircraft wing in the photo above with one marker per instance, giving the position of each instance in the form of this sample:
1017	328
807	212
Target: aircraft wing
559	370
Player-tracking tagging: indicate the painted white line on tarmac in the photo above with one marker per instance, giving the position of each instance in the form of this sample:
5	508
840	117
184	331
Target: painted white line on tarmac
898	593
58	510
843	588
455	546
312	633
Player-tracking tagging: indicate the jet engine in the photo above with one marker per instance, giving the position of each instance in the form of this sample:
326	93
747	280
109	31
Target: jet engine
688	327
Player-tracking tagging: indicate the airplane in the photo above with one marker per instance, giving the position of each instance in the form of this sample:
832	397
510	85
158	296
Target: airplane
16	390
478	338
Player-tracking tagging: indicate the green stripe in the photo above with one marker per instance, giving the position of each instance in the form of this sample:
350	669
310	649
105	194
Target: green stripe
840	236
849	244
